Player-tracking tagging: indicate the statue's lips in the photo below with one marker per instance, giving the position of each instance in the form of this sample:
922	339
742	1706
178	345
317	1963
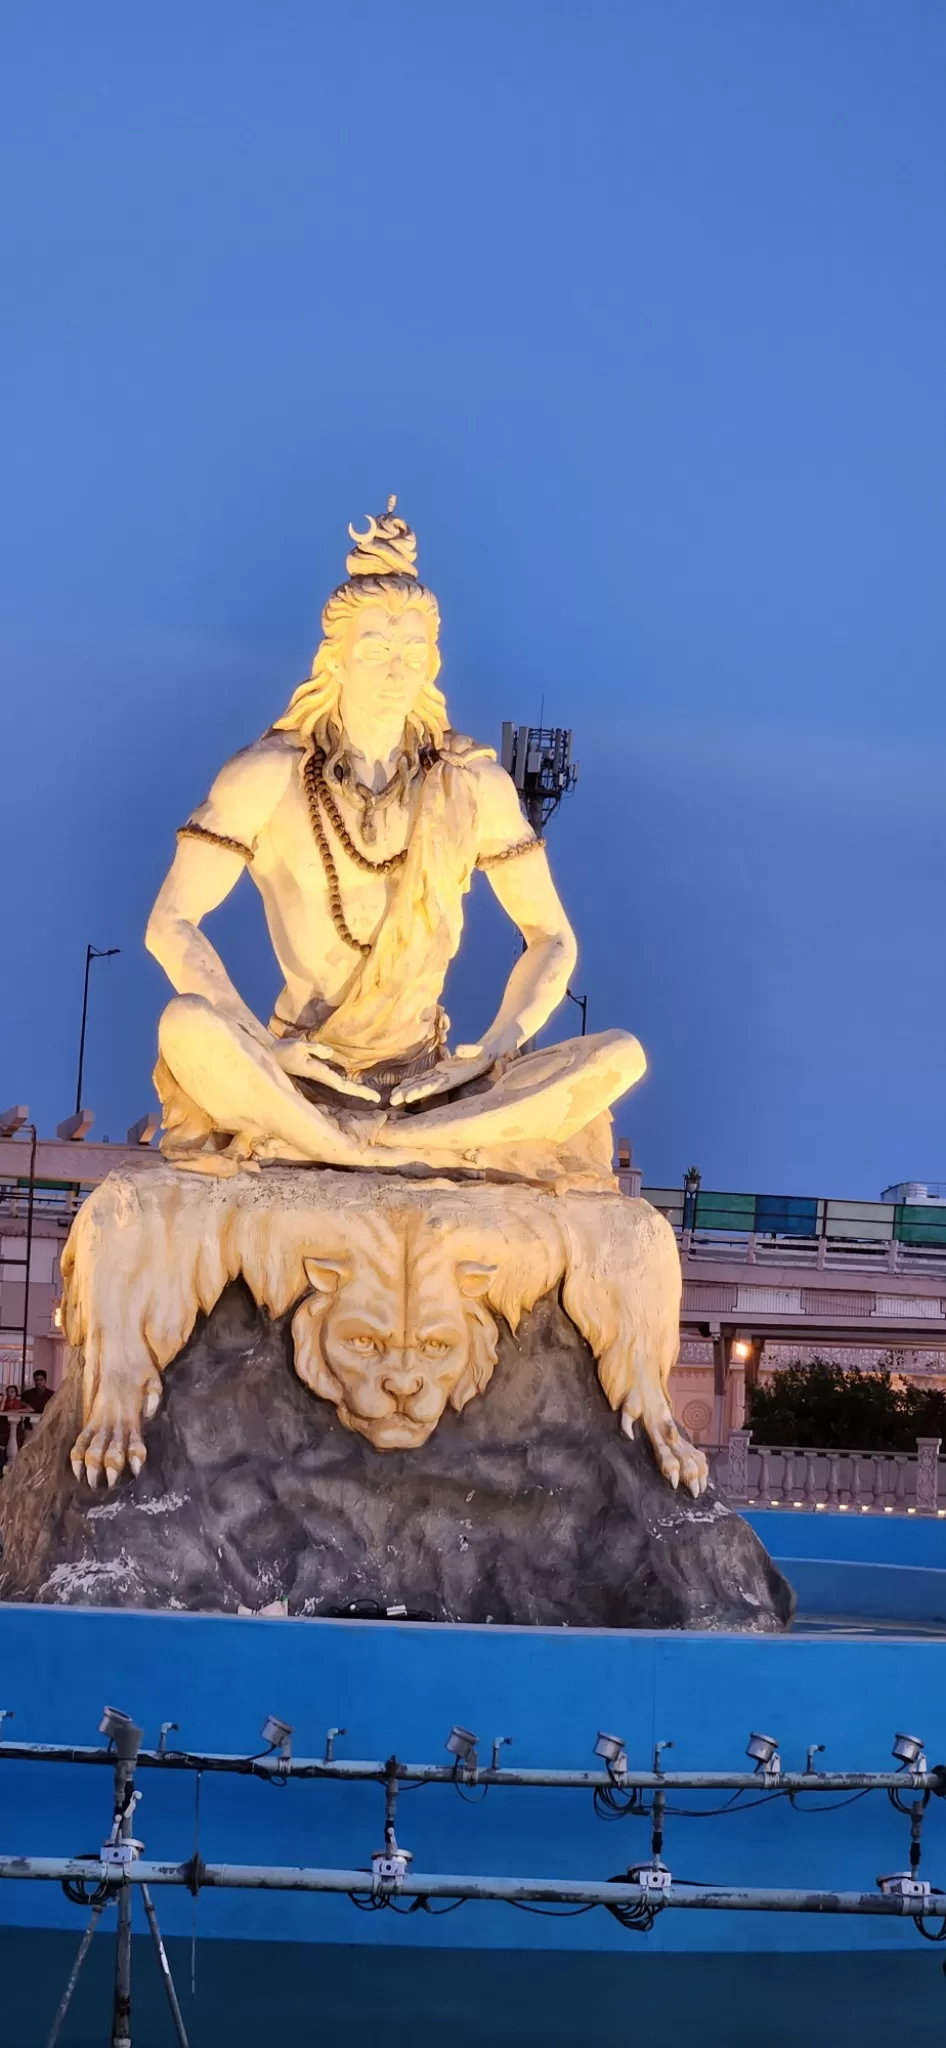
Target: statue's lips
389	1432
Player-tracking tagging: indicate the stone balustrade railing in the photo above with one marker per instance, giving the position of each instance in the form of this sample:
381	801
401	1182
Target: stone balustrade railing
817	1254
840	1481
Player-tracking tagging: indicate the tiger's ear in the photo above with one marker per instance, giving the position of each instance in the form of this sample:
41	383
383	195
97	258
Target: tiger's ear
473	1279
325	1275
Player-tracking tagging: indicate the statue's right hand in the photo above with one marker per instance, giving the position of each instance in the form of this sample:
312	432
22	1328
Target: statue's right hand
295	1057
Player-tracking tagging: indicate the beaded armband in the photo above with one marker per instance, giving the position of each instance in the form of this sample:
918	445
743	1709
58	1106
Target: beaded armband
494	860
193	831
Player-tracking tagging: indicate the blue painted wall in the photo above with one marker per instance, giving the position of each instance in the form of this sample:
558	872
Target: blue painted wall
891	1594
862	1539
876	1567
400	1687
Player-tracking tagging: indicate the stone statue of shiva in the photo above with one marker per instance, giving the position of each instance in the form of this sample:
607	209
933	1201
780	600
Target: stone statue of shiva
362	818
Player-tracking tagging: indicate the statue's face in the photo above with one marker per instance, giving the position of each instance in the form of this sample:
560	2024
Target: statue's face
395	1383
391	1356
387	659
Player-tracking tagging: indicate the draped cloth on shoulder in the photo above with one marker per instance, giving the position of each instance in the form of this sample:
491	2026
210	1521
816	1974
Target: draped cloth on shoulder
378	1017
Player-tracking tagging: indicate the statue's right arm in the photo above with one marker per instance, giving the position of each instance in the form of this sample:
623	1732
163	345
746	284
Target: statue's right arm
204	871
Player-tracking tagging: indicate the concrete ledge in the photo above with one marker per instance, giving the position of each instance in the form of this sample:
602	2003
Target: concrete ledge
72	1160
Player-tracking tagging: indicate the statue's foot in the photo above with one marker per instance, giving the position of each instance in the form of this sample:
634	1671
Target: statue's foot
112	1436
676	1456
240	1156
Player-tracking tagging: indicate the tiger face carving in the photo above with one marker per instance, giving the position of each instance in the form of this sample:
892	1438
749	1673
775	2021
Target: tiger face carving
393	1340
405	1280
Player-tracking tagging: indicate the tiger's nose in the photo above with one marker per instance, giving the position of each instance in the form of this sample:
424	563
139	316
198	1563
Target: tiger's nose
402	1384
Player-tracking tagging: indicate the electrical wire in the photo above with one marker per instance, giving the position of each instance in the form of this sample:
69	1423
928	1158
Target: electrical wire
608	1806
895	1800
737	1804
470	1798
378	1902
551	1912
77	1889
277	1779
267	1777
373	1610
423	1905
827	1805
927	1933
637	1919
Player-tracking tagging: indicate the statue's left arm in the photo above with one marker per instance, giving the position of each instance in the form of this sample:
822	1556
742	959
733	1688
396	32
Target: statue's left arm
519	875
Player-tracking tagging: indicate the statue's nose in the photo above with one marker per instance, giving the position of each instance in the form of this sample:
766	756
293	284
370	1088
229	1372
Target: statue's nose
402	1381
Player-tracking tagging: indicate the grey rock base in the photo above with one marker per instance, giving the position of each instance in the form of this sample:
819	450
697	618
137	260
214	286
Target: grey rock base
530	1507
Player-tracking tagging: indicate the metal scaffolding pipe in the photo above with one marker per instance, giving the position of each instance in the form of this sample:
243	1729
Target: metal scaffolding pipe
348	1770
508	1890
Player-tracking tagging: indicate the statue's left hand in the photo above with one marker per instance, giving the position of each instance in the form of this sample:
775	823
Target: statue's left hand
466	1064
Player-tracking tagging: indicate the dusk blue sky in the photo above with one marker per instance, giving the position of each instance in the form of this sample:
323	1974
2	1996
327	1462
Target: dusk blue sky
641	309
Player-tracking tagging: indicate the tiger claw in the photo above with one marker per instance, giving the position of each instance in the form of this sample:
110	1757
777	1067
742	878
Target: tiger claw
111	1440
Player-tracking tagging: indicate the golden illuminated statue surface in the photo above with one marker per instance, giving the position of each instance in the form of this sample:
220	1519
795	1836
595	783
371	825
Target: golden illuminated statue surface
362	817
485	1176
395	1284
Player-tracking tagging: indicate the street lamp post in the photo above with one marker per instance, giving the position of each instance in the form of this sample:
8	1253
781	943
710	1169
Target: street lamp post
582	1003
91	953
691	1187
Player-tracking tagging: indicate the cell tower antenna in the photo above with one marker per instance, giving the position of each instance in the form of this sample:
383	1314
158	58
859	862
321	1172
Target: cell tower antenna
539	759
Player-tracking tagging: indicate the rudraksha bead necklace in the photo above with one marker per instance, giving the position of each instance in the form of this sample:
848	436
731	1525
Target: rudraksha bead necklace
318	794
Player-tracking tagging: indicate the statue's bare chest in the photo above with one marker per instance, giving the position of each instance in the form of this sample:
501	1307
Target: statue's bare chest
314	853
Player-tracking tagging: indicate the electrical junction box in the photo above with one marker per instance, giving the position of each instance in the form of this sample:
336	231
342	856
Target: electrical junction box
118	1854
901	1884
390	1866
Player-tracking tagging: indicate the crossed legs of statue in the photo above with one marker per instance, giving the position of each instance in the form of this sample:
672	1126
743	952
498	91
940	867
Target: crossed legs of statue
223	1080
236	1085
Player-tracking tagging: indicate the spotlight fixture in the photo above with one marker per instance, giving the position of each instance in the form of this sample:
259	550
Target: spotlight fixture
120	1729
764	1750
278	1734
814	1749
908	1750
167	1728
611	1750
499	1742
462	1744
330	1736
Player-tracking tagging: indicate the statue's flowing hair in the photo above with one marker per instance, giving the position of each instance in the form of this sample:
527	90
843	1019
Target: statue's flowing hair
313	708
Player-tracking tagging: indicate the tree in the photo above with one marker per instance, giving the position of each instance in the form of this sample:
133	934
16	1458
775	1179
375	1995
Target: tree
822	1406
